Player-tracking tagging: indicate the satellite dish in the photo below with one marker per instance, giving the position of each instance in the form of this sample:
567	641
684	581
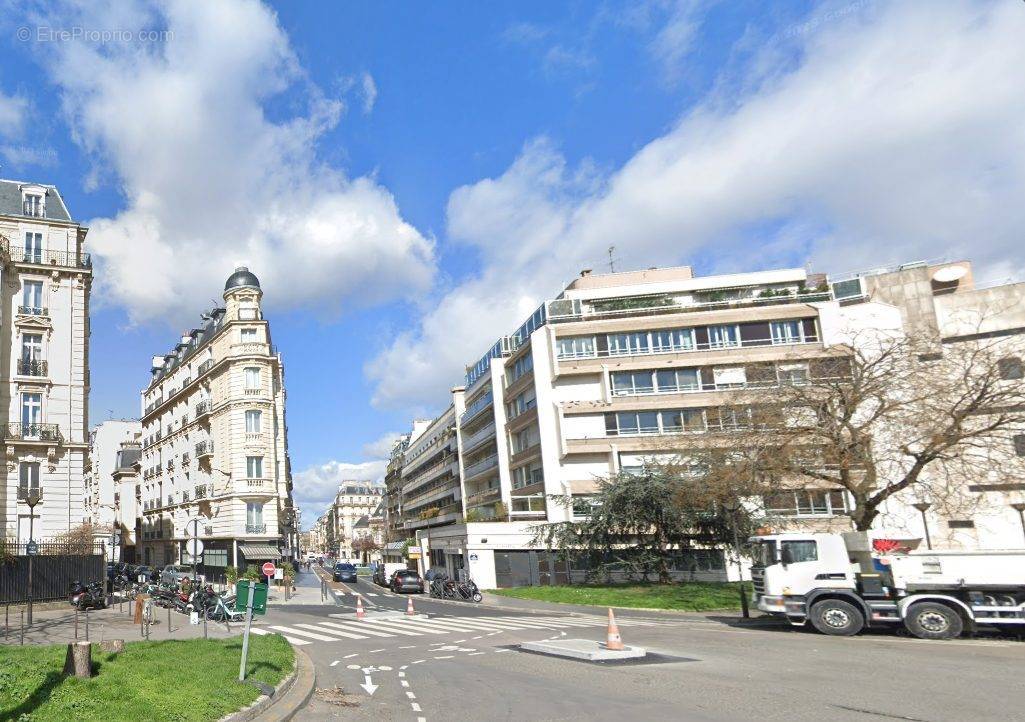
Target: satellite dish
949	274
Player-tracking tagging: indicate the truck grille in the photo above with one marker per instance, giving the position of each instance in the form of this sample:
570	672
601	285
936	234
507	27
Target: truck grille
758	581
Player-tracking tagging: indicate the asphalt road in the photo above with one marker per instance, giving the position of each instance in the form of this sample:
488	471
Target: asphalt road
460	661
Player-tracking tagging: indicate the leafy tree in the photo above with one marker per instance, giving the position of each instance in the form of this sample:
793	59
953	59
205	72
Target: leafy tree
364	546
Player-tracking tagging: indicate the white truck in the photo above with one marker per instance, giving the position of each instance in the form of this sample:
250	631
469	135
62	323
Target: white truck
842	583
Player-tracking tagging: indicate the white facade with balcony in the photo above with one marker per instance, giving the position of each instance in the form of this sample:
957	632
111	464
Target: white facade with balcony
44	361
214	443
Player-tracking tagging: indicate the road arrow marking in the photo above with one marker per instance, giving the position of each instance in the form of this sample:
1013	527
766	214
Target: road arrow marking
369	686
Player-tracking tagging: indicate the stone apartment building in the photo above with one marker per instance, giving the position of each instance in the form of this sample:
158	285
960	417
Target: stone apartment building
214	440
105	506
354	504
46	277
624	367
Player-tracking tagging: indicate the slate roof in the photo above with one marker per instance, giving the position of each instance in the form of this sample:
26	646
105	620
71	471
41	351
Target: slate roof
172	360
10	200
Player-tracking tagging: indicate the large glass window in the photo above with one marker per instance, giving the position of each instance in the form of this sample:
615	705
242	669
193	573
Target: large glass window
31	347
678	380
726	336
806	502
254	421
32	297
575	346
524	402
254	467
252	377
521	366
34	247
28	477
625	383
248	334
254	513
628	343
527	475
632	423
786	332
31	412
679	420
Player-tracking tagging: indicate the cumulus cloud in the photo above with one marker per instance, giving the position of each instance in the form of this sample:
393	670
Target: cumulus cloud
890	133
213	176
13	110
314	488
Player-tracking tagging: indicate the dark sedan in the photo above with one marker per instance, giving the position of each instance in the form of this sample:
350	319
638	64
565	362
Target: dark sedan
344	572
406	580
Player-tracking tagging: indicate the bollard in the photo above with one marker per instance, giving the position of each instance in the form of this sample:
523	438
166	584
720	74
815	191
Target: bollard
168	620
7	619
76	625
23	626
204	625
87	624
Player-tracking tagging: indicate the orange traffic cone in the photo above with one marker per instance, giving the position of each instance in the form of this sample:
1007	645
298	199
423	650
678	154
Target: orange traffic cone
612	639
360	614
409	606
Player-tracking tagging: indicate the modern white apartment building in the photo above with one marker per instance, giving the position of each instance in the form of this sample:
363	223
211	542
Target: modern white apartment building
622	367
44	360
214	444
104	504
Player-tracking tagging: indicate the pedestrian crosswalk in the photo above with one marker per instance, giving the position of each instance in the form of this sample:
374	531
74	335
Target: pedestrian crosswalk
399	627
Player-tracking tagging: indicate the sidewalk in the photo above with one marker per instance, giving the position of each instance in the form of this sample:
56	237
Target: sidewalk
307	592
58	626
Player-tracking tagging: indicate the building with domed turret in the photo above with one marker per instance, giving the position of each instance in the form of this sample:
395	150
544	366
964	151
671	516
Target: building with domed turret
214	442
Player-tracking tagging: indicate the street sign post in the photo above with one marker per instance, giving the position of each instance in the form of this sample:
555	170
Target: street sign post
244	590
268	570
192	529
32	549
249	623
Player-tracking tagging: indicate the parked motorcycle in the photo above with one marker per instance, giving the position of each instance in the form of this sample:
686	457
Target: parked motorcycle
87	596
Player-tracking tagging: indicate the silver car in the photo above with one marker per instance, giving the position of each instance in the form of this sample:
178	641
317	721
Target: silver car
173	574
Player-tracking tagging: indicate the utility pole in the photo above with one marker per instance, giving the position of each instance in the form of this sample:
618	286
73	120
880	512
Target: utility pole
612	260
31	498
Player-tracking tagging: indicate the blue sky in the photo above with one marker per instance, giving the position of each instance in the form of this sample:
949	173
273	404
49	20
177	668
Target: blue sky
410	180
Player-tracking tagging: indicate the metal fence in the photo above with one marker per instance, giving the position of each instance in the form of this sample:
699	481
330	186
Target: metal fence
54	568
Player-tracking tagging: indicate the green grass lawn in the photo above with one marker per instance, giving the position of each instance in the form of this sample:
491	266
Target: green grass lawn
176	680
684	596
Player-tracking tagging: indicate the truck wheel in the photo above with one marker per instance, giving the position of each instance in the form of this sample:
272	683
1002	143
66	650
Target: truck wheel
837	618
929	620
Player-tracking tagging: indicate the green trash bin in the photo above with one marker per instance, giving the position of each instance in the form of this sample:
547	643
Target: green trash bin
242	590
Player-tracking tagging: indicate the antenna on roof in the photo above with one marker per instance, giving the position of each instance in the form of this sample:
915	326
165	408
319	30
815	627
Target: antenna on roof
612	260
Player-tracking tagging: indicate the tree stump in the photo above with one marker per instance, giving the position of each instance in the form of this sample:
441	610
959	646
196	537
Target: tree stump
113	645
79	660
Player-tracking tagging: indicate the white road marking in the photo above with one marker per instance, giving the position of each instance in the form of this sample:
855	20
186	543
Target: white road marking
405	627
419	661
445	656
332	632
304	633
410	695
350	656
404	682
416	708
352	666
334	663
403	666
360	628
498	651
478	637
411	646
374	651
474	654
402	674
291	640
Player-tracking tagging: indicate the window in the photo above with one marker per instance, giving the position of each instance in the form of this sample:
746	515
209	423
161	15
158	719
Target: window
723	336
793	374
637	422
677	380
786	332
729	377
583	506
575	346
1019	444
32	297
677	421
248	334
254	421
32	205
34	247
254	467
625	383
534	504
521	366
527	475
735	418
31	347
795	552
28	477
254	513
628	343
806	502
31	413
1010	368
524	402
252	377
523	440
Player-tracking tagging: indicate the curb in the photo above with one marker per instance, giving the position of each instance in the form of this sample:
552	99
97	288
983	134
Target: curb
561	607
291	694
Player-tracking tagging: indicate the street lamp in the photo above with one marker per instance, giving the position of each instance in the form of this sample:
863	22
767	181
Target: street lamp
924	506
1019	506
32	497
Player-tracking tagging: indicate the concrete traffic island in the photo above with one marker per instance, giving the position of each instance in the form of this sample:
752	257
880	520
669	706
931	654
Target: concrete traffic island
584	649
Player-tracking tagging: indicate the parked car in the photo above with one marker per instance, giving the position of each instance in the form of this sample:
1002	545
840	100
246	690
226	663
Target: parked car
406	580
344	572
147	573
174	573
384	571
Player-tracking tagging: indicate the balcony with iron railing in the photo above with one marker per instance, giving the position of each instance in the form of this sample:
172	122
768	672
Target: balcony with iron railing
40	257
14	431
33	311
204	449
205	366
256	528
201	491
24	491
203	408
32	367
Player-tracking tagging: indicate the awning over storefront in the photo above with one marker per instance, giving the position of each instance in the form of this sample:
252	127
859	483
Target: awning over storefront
259	551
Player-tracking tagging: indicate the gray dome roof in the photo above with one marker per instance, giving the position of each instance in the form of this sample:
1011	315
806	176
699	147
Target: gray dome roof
241	278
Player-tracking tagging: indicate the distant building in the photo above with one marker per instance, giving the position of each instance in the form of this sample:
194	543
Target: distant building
44	361
104	504
354	501
214	440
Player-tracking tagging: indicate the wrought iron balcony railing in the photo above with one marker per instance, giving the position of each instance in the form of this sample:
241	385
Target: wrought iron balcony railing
25	491
204	448
33	311
20	254
256	528
32	367
30	432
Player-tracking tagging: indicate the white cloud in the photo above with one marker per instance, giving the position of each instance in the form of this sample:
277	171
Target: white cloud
675	38
892	133
13	111
213	177
369	91
381	447
314	488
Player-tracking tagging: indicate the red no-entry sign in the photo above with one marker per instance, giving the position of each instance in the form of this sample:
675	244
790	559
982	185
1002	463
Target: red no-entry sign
268	569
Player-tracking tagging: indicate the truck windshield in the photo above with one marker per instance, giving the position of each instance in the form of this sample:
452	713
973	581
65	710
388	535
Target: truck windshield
764	553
